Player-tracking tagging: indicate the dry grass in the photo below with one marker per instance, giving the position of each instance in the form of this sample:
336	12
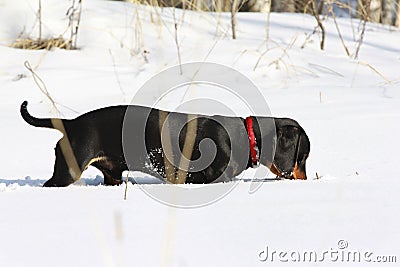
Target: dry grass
31	44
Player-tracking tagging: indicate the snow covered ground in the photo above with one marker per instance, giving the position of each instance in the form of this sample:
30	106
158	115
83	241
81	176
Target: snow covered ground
349	108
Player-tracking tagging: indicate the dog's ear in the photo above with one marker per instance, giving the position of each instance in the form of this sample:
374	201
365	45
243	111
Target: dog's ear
303	151
286	148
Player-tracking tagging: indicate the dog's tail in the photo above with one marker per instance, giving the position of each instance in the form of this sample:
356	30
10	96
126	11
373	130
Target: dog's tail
32	120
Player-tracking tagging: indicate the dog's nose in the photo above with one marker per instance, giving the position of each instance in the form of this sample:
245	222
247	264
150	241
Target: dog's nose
299	173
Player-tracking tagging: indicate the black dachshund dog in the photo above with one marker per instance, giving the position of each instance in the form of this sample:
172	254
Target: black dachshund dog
119	138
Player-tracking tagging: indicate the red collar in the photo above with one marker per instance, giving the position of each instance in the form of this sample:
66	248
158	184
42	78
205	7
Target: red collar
252	142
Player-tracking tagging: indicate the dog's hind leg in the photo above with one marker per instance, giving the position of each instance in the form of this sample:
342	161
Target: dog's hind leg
112	172
65	173
112	177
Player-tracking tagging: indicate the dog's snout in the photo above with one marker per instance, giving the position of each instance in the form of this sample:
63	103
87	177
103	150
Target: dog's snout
299	173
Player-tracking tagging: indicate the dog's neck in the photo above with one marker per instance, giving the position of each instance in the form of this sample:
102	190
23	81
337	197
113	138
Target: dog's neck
252	127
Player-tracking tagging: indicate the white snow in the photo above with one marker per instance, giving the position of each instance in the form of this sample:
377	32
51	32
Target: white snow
349	108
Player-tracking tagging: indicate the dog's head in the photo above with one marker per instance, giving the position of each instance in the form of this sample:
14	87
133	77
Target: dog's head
291	152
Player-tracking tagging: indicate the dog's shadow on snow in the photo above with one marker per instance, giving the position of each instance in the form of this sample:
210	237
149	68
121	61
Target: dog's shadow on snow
23	182
99	180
